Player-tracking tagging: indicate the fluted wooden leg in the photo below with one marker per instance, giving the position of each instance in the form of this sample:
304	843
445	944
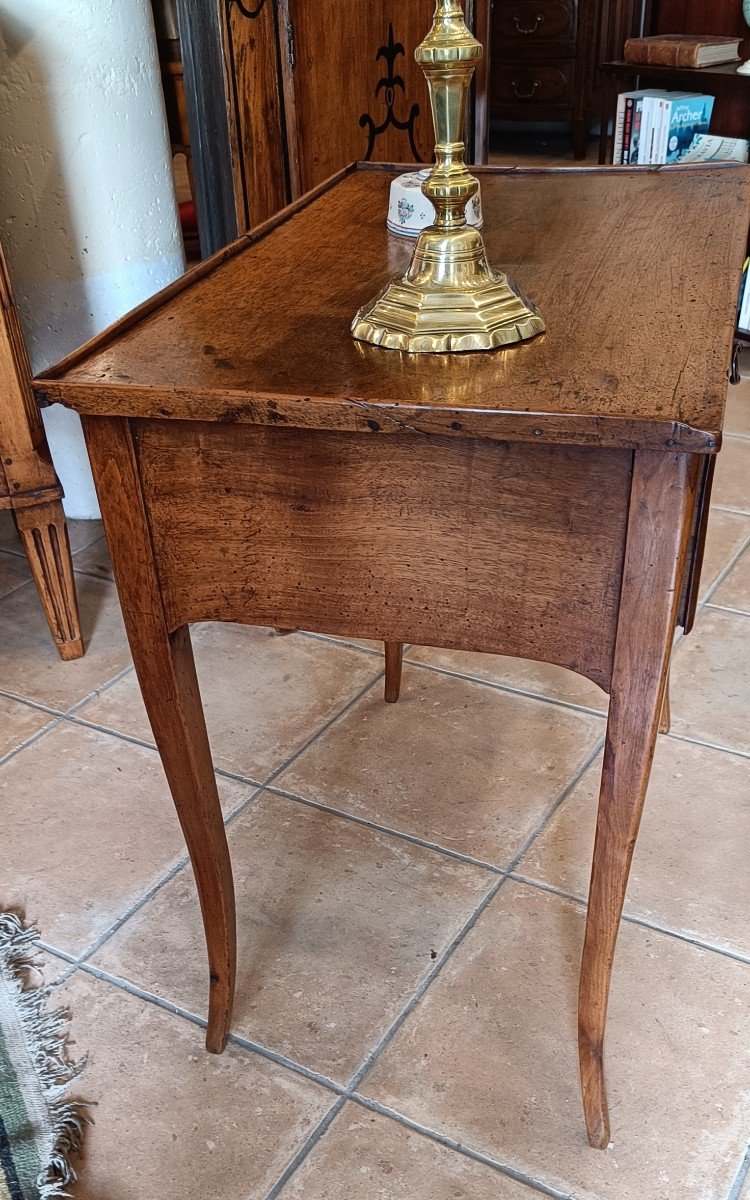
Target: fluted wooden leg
44	535
166	672
394	657
663	491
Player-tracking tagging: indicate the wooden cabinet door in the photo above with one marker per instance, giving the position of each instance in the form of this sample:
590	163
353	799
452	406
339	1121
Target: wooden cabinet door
352	86
283	93
353	89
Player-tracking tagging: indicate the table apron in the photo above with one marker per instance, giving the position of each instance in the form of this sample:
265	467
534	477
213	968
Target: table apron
509	548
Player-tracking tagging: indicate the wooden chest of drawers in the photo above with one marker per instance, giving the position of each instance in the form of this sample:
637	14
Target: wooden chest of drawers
544	58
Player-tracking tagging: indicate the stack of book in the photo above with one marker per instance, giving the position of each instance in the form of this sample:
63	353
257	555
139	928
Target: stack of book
655	126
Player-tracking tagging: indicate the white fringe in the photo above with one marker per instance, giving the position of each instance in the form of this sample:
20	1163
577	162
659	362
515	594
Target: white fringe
47	1035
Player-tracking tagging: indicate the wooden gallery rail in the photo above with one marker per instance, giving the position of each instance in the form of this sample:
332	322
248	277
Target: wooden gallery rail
255	464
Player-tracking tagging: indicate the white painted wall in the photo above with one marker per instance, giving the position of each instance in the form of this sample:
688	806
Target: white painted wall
88	218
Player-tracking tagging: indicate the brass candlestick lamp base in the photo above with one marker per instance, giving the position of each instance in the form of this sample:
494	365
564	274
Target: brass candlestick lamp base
450	299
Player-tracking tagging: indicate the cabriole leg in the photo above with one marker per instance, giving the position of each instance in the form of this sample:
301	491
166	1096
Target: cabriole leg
661	507
166	672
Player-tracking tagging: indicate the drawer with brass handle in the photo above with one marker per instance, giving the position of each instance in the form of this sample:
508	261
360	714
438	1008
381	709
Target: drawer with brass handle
532	21
538	84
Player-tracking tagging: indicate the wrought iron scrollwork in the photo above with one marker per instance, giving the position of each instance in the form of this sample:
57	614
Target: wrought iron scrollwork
252	13
391	84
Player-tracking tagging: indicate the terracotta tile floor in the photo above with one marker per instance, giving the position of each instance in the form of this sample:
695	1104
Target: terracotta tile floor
411	889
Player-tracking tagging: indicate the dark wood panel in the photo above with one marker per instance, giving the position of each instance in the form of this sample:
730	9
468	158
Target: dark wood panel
513	549
720	17
255	107
357	93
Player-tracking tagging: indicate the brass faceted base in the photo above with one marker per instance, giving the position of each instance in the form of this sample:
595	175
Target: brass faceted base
448	303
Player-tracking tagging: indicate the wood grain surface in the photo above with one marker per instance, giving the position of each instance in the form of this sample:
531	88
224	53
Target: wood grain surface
635	271
463	544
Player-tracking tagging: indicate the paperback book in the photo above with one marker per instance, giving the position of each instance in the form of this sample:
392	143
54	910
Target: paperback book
706	147
655	126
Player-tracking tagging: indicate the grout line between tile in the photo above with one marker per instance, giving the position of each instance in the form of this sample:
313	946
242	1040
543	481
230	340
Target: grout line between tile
742	1174
115	733
307	1146
70	963
134	908
739	612
230	818
132	989
166	878
30	740
450	1143
413	839
371	1058
100	690
56	952
100	537
91	574
330	639
243	805
177	1010
573	783
508	688
632	919
724	571
47	708
342	641
325	727
64	976
11	591
740	512
684	737
291	1064
69	713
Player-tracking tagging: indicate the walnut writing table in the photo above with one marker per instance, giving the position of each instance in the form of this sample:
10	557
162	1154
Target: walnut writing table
256	464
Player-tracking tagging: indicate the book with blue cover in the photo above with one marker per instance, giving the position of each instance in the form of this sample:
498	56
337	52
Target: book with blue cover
686	115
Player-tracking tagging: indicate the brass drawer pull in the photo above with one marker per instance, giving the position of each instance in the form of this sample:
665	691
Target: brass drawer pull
519	95
538	21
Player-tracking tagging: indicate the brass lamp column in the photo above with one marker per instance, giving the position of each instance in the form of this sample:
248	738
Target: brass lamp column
450	298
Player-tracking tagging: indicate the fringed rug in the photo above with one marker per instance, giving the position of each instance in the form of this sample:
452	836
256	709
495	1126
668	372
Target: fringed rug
39	1128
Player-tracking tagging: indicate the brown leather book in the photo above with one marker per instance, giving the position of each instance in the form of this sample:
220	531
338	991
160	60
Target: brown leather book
682	50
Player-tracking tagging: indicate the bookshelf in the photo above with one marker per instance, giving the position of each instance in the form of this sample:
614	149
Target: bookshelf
723	82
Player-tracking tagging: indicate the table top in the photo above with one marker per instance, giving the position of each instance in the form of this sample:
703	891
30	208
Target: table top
635	270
